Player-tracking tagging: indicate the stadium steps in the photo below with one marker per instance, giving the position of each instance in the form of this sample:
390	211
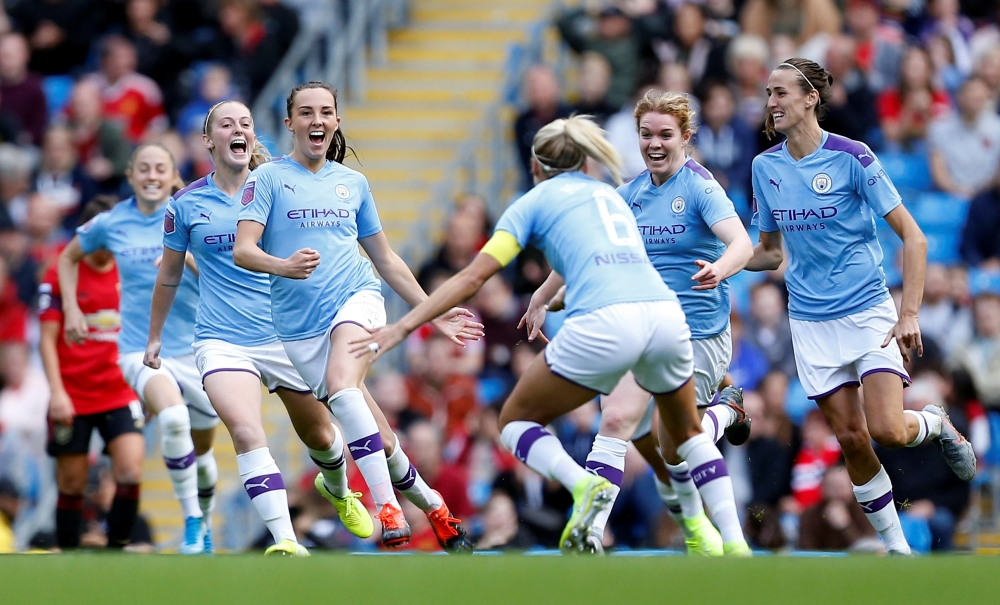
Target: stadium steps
444	69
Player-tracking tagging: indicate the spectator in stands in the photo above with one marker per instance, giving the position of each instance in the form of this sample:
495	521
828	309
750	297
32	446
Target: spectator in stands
749	364
21	91
980	356
819	452
769	459
943	59
13	311
965	144
10	501
101	147
24	398
214	85
59	32
611	33
500	526
60	177
725	142
129	97
541	89
988	68
251	47
768	327
692	47
800	19
906	111
944	19
500	312
837	522
389	390
10	128
440	394
748	58
595	80
283	19
851	109
463	239
880	45
45	238
942	319
425	443
980	246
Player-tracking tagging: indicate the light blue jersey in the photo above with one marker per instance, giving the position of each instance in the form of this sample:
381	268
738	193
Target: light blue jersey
675	222
590	238
328	212
825	207
136	240
235	304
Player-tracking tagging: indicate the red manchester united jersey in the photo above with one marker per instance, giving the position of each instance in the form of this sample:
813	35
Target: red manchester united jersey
89	370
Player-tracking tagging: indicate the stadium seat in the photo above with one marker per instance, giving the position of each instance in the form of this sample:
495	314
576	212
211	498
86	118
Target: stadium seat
940	212
797	403
907	170
942	247
58	90
984	281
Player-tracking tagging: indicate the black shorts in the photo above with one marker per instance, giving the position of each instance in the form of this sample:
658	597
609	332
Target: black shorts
75	439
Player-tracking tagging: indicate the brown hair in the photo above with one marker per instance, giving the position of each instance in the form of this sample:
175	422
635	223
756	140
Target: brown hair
668	103
338	148
565	144
258	155
810	76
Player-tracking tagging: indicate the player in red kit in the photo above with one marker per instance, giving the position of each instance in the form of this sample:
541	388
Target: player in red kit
89	392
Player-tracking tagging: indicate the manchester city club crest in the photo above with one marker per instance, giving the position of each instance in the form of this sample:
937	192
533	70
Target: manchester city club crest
342	192
678	205
822	183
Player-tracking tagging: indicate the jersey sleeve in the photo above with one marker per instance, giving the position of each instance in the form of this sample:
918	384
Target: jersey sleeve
93	234
368	221
176	231
49	297
874	185
518	220
257	197
761	210
713	203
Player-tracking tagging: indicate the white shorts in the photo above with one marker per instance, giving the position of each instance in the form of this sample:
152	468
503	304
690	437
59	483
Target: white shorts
268	362
712	357
181	371
836	353
312	355
652	339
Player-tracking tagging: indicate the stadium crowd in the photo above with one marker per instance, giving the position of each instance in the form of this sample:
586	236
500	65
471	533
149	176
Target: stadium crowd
83	81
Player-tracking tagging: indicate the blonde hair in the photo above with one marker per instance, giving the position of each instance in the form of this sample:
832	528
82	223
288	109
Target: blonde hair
258	155
668	103
178	183
564	145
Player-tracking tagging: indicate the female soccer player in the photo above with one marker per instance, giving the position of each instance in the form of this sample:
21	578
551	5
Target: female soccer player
822	192
621	318
308	206
695	241
132	232
89	392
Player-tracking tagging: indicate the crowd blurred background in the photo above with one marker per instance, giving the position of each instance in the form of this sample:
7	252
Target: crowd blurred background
83	81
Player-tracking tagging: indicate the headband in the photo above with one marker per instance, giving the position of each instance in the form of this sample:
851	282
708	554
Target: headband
548	168
208	116
801	74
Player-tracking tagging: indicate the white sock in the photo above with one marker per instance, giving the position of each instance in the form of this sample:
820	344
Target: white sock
364	443
876	499
408	481
262	480
542	452
208	476
178	454
607	459
685	490
717	419
669	498
710	474
929	426
333	465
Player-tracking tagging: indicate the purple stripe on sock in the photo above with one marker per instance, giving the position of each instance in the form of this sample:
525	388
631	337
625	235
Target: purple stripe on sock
710	471
207	492
528	439
256	486
329	466
873	506
608	472
685	476
406	482
179	464
365	446
715	423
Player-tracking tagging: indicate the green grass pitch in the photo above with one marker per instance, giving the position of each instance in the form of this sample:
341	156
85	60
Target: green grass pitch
505	580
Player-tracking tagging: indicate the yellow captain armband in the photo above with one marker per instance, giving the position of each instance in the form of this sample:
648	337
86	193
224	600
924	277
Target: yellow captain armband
503	247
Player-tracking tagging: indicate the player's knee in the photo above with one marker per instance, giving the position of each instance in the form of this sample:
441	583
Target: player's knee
128	475
72	484
892	437
616	422
853	440
318	437
247	437
175	420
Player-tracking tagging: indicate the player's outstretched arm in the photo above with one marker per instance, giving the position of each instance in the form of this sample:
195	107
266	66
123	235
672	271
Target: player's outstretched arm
738	253
246	254
907	329
74	323
767	254
164	291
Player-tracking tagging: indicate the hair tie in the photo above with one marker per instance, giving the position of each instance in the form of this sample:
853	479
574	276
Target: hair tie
548	168
801	74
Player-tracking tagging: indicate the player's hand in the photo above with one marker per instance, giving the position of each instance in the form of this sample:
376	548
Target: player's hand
534	319
457	326
301	264
558	302
708	276
75	326
152	357
377	342
907	335
61	408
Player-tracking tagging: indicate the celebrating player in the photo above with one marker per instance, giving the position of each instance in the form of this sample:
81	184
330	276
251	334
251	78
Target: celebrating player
310	212
696	241
621	318
133	232
822	192
89	392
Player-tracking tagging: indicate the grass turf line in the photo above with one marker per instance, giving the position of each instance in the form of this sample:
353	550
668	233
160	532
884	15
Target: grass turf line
109	579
